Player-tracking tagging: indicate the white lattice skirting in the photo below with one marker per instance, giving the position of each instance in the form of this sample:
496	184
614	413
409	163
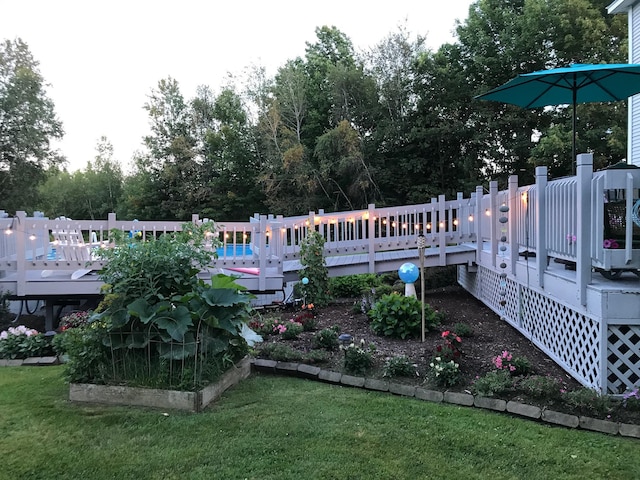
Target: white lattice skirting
570	338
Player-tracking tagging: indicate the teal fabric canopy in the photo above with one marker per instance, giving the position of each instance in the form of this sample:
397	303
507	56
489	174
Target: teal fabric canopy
578	83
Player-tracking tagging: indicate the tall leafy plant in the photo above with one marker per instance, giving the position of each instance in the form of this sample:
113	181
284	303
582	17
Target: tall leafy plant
314	269
158	311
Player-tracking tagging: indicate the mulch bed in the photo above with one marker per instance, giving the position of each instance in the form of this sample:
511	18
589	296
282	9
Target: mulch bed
491	336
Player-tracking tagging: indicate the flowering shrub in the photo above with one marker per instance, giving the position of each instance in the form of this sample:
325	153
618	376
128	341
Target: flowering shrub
357	358
307	318
514	365
450	349
631	399
74	320
290	330
22	342
444	373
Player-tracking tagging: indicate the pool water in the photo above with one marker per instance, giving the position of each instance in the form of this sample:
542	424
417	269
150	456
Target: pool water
234	250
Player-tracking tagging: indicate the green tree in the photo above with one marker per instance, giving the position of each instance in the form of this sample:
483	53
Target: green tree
91	193
28	123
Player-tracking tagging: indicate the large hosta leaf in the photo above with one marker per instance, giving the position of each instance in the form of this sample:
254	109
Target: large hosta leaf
224	297
175	322
146	311
178	351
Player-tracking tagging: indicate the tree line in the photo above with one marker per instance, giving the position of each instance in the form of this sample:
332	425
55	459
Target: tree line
335	129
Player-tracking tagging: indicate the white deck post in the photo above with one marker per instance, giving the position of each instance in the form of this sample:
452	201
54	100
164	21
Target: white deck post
493	234
583	240
371	237
513	222
111	223
478	221
21	257
442	230
262	277
541	231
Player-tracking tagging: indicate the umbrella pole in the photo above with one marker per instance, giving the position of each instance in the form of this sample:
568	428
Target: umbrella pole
573	128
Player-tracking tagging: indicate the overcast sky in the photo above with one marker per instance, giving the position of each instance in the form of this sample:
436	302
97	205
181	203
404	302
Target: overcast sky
102	59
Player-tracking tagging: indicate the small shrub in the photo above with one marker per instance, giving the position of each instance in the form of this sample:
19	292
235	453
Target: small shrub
290	330
327	338
444	373
88	356
307	319
588	401
539	386
399	366
382	290
451	348
280	352
357	358
315	356
353	286
493	383
21	342
396	316
514	365
631	399
74	320
463	329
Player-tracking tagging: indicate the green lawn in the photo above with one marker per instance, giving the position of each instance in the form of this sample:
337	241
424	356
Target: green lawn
283	428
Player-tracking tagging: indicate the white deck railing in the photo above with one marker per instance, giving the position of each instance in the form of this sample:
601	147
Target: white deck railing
563	219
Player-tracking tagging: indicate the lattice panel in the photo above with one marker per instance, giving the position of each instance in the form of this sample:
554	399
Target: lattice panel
623	357
569	337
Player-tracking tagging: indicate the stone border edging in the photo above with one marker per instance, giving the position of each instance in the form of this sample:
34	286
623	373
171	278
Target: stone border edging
524	410
31	361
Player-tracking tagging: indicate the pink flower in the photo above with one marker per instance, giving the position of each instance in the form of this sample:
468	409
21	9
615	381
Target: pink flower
512	368
458	339
445	334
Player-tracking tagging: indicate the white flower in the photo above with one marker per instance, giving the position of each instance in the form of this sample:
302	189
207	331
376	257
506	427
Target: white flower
3	335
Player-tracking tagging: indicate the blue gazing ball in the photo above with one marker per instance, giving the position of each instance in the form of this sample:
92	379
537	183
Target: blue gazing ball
408	272
305	280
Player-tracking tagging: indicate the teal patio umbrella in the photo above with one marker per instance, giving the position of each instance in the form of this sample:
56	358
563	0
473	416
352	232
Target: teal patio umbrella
578	83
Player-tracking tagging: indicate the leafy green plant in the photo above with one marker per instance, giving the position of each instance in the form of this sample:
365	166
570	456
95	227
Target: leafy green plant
314	269
588	401
399	366
396	316
493	383
21	342
357	357
327	338
88	357
159	311
280	352
353	286
541	386
444	373
463	329
284	353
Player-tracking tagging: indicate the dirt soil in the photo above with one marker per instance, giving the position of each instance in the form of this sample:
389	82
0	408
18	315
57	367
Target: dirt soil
491	336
